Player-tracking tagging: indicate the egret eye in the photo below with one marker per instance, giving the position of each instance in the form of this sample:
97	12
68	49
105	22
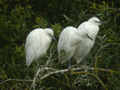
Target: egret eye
52	36
97	21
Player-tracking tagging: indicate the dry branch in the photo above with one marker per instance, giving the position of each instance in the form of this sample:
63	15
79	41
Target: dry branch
52	71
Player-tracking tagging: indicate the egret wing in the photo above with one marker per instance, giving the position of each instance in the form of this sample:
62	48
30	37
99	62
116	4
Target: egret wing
67	41
34	45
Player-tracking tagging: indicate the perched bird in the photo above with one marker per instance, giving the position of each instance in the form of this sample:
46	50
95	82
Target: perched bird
77	42
37	44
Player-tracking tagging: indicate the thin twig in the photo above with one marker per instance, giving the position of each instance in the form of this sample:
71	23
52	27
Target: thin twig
19	80
78	69
38	73
99	50
91	74
54	71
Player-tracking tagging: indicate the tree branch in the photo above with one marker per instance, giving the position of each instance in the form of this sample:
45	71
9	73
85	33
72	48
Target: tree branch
75	70
52	71
19	80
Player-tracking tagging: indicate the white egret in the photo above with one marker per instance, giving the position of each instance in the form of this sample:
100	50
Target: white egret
77	42
37	44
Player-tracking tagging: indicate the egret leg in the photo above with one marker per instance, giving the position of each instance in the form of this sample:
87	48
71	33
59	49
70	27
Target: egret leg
69	64
70	74
38	65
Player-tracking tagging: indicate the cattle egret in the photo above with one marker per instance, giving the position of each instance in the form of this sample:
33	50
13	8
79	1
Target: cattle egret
77	42
37	44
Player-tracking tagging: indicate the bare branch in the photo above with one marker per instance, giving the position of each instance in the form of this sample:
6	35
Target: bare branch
52	71
41	69
19	80
75	70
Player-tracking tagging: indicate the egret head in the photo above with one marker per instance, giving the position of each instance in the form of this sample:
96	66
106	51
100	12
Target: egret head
95	20
50	32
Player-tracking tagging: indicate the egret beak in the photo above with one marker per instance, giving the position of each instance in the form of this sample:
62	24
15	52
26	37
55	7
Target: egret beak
53	37
102	22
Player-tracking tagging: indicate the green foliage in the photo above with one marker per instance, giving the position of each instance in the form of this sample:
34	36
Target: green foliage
19	17
41	22
57	29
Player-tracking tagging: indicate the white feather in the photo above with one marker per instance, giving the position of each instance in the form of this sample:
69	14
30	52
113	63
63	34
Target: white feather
67	42
77	42
37	44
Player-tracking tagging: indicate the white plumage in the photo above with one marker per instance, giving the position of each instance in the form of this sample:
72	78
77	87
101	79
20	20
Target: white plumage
77	42
67	43
37	44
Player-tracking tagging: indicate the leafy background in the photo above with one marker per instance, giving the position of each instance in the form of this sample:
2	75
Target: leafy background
19	17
